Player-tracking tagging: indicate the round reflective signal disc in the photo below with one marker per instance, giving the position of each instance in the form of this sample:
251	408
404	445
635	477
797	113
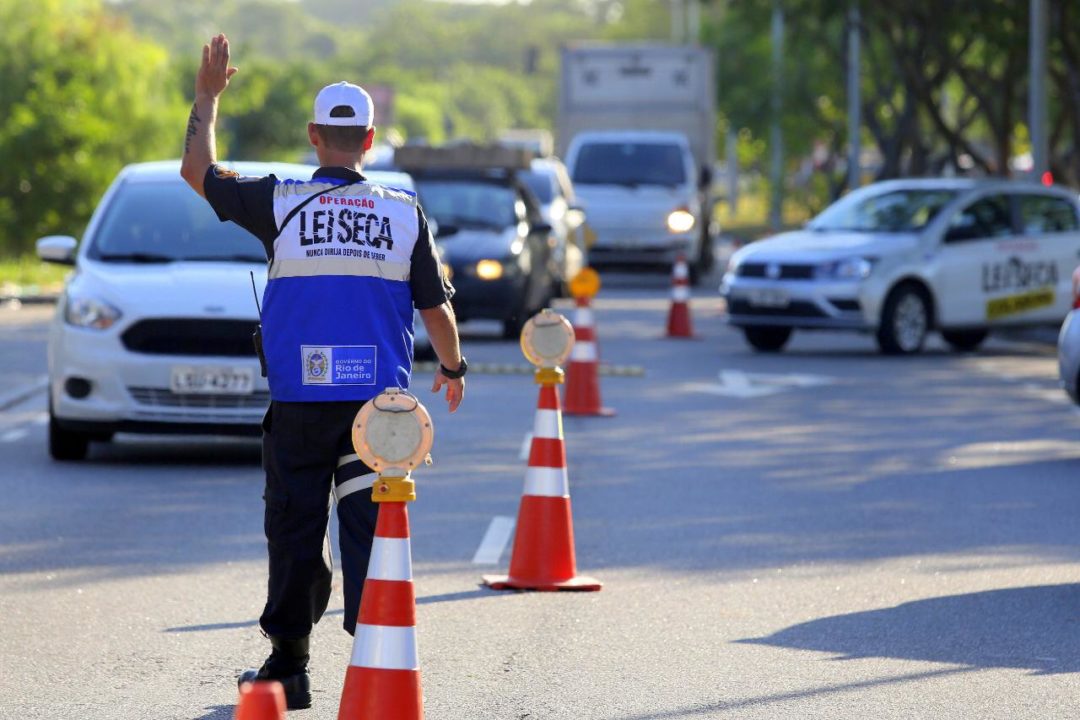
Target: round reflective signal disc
392	431
547	339
585	284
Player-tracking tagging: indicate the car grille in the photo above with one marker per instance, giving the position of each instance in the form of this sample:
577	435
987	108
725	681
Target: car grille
787	272
172	336
797	308
161	397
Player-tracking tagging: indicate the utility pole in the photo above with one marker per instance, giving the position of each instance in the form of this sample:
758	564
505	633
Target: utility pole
1037	91
854	93
776	171
693	22
678	21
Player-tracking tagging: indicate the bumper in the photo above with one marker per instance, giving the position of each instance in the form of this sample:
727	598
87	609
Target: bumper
130	392
806	304
1069	355
487	299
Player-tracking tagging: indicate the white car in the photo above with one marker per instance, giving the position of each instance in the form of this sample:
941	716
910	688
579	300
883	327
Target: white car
903	257
153	333
550	183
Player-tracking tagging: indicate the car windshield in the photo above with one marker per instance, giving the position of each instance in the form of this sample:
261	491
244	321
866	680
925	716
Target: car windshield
165	222
894	211
540	184
467	203
630	163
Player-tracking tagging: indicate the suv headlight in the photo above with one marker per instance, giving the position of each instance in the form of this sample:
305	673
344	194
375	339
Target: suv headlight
680	221
90	312
856	268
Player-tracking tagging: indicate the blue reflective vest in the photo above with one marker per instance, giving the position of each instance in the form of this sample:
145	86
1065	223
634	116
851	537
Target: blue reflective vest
337	310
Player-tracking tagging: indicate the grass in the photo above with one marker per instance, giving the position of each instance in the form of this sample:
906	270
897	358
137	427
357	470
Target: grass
27	275
751	220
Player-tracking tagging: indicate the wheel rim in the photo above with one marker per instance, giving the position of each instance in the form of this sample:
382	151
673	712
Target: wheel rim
910	322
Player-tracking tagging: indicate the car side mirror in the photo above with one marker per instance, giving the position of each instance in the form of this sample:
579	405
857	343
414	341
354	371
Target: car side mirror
706	177
59	249
575	215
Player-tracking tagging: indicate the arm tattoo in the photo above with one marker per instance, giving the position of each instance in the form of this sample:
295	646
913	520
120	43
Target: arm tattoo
193	120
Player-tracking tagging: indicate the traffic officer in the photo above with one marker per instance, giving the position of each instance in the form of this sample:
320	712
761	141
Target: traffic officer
349	260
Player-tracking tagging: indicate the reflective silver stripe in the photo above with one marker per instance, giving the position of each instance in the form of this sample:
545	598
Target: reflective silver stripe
391	559
385	648
546	482
284	190
358	267
346	459
348	487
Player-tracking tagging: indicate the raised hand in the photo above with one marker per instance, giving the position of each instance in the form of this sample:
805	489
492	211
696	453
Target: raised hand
214	72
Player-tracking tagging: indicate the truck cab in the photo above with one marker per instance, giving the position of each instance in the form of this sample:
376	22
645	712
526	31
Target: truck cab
640	189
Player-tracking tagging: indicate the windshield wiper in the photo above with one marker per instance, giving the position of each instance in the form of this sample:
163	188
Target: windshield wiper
135	258
225	258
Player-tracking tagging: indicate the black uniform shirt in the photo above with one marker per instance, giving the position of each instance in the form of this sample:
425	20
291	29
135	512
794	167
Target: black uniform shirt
249	202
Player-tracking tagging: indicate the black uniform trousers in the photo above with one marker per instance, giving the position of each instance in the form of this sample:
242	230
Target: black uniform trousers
307	451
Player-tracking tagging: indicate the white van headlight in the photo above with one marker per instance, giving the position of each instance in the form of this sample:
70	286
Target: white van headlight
90	312
680	221
856	268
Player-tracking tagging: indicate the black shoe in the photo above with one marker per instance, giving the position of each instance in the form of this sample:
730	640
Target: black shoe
288	665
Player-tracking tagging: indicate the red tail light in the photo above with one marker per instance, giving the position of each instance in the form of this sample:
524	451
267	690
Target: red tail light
1076	301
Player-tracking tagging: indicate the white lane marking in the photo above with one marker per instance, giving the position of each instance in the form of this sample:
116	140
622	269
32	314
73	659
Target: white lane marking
14	435
495	540
735	383
21	395
526	447
42	419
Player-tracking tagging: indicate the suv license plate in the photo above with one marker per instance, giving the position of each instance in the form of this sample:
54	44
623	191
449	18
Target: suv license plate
212	381
769	298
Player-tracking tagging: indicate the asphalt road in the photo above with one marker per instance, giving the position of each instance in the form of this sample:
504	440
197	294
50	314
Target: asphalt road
825	533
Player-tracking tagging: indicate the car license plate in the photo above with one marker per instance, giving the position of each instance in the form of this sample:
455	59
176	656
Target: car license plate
769	298
189	380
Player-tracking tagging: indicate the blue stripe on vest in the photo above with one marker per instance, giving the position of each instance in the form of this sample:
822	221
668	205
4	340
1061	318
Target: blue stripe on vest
337	338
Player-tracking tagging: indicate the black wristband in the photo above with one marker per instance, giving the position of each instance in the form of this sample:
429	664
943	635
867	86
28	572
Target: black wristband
455	374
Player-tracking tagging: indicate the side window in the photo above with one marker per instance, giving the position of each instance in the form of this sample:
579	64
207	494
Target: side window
1043	214
986	218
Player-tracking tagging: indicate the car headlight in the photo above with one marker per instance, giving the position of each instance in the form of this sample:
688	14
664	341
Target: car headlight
489	269
680	221
90	312
856	268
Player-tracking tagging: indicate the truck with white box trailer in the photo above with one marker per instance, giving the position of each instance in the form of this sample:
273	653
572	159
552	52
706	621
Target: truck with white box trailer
637	127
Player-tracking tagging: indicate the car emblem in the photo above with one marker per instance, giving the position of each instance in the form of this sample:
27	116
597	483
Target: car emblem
772	271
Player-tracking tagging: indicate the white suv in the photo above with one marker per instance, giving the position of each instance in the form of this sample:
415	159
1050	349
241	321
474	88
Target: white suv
153	332
903	257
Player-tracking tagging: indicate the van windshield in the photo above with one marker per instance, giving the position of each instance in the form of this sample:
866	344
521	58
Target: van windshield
166	222
894	211
630	164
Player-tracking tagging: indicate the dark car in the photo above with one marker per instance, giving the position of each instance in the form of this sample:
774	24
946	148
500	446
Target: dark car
495	241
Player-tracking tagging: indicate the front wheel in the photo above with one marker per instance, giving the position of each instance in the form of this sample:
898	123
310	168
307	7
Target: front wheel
764	338
905	321
66	444
964	340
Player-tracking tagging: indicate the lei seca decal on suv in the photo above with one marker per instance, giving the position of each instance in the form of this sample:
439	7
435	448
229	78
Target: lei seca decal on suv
902	258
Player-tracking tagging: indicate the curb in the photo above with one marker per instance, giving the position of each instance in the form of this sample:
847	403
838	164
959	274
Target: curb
21	395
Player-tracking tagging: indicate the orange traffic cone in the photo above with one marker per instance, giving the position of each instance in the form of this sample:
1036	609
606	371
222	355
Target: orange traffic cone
543	554
678	323
383	679
582	377
264	700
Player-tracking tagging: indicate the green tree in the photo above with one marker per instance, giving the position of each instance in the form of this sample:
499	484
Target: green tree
80	97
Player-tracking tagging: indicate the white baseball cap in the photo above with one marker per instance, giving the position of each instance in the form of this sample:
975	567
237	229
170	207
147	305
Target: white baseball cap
343	94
